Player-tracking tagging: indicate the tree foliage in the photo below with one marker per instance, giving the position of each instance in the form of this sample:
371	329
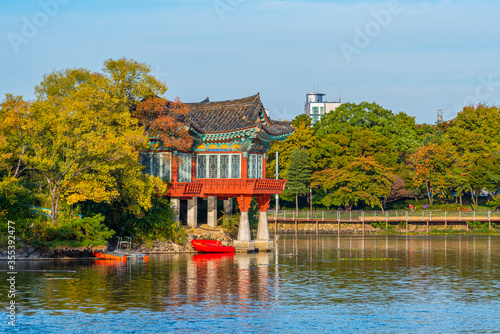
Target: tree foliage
298	174
164	122
79	138
357	179
302	137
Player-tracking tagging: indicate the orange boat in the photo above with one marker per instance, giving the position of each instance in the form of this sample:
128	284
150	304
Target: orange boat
211	246
121	255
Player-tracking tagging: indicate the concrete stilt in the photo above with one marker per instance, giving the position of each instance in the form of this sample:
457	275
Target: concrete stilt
228	206
193	212
176	206
212	211
263	242
244	243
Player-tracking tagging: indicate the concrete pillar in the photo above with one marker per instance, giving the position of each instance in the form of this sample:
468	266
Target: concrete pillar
263	229
176	206
228	206
193	212
244	228
244	243
263	243
212	211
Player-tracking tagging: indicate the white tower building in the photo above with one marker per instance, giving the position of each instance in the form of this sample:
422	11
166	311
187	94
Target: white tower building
315	107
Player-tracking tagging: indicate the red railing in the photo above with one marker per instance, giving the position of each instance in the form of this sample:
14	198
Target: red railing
225	187
270	184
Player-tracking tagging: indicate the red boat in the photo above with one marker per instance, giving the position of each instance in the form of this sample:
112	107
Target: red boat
211	246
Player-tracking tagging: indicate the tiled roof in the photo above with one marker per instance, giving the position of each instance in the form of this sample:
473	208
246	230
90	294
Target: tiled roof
233	115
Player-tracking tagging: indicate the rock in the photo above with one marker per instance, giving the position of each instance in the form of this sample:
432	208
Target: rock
34	255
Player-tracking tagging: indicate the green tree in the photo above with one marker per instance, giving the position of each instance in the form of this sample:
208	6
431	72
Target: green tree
298	174
302	137
354	180
397	128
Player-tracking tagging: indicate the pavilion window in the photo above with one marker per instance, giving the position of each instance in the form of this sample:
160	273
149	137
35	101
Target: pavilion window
201	166
212	166
218	166
254	166
184	167
224	166
157	164
235	166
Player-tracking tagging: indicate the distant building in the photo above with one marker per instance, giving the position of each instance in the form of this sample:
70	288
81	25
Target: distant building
315	107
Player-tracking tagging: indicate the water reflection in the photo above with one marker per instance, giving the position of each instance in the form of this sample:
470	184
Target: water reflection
324	278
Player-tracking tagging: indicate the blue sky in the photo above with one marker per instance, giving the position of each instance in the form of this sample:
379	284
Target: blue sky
410	56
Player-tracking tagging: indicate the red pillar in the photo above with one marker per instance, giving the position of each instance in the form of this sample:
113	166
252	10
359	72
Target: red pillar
244	168
263	202
193	168
263	166
175	168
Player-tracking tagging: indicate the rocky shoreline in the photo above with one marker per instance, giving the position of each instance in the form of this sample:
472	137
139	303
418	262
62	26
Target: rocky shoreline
28	252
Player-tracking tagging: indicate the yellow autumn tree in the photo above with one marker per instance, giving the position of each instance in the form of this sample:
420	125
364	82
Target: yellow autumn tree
83	137
430	165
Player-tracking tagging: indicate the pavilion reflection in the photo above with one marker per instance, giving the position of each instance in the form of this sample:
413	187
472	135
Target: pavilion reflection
222	278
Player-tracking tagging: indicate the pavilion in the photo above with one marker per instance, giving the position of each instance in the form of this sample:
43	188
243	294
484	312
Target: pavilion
227	160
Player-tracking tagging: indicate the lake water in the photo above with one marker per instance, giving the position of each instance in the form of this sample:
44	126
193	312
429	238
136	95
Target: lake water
310	284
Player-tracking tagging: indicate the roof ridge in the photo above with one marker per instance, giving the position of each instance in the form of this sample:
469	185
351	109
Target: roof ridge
251	97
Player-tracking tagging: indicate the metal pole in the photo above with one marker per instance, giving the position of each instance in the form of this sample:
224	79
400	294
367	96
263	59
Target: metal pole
277	171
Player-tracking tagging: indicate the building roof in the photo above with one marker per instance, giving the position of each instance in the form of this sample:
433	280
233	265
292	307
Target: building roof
234	116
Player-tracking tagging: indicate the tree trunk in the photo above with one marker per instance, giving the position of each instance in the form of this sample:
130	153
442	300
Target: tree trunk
297	204
54	208
429	194
460	200
476	198
55	197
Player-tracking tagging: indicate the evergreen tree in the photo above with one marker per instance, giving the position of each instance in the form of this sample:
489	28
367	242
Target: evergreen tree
298	174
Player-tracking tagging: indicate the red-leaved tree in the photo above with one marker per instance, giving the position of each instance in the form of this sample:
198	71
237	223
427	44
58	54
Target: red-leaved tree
165	121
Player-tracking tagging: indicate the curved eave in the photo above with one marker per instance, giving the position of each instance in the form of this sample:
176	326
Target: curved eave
248	132
266	137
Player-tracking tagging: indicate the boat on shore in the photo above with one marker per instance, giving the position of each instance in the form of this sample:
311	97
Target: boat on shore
211	246
121	255
122	252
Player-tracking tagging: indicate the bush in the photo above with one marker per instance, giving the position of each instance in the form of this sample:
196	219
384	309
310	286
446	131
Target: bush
230	224
156	224
76	232
478	227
